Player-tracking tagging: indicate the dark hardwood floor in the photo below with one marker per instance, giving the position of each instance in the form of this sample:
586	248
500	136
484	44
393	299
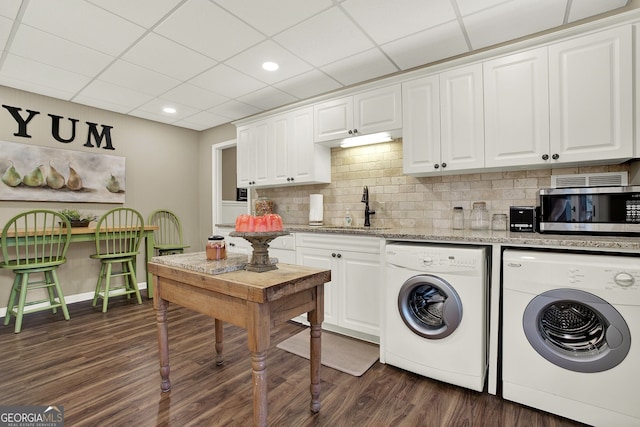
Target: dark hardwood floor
103	368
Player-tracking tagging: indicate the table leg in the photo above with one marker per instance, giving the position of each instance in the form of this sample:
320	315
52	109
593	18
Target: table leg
258	337
259	375
219	341
315	319
315	359
163	343
149	243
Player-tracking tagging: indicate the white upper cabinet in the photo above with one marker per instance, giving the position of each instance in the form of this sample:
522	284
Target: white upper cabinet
280	150
516	108
462	118
443	122
590	97
421	121
252	149
368	112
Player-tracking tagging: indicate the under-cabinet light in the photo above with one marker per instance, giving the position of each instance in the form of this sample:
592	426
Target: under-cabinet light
374	138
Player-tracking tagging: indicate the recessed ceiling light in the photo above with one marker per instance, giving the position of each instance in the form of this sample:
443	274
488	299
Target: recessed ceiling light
169	110
270	66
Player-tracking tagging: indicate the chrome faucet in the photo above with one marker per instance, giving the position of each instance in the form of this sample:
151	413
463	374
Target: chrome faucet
367	212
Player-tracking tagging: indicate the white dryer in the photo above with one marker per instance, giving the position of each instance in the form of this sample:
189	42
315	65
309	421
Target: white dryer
435	314
570	334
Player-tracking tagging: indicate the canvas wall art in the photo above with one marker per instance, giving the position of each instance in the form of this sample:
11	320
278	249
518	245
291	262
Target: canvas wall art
35	173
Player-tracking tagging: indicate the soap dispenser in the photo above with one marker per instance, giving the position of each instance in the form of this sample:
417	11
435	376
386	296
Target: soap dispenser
347	219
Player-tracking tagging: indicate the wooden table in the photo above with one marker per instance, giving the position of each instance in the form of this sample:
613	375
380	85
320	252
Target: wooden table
87	234
254	301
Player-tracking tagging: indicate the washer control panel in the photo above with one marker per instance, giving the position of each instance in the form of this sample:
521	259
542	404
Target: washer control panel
435	259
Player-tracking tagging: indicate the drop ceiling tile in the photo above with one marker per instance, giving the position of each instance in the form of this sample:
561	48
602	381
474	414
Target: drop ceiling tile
10	8
209	29
88	25
153	117
101	104
48	49
250	62
124	99
324	38
586	8
5	30
168	57
360	67
202	120
511	20
468	7
123	73
234	110
428	46
267	98
194	96
376	16
271	17
309	84
143	12
226	81
25	74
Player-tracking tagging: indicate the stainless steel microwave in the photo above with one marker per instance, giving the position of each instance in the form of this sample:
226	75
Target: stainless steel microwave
590	210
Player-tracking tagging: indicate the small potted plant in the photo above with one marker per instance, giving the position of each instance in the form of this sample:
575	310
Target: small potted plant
76	218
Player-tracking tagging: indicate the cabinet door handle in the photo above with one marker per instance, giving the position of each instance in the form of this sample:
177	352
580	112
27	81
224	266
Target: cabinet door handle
444	165
350	132
555	156
231	244
333	255
436	166
355	131
545	157
339	255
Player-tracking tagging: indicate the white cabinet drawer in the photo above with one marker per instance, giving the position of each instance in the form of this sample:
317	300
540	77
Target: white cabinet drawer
353	243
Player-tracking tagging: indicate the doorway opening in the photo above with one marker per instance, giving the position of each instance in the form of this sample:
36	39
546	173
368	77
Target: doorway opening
229	201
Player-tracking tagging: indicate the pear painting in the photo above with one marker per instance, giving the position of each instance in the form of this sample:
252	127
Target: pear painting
44	174
11	177
75	181
35	178
113	185
55	179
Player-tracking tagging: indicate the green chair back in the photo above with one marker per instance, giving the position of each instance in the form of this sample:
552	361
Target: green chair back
119	233
35	243
168	236
39	238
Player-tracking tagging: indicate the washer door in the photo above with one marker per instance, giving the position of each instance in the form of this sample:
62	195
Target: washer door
429	306
576	330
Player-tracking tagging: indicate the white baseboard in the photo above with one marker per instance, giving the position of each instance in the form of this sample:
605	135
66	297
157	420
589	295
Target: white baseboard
70	299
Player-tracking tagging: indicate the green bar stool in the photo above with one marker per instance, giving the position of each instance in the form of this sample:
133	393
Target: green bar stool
118	236
168	236
41	241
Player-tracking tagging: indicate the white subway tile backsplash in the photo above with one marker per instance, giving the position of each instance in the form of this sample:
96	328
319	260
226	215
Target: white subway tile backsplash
410	202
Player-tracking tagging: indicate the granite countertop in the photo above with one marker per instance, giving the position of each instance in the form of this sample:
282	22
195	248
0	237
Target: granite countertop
626	243
197	261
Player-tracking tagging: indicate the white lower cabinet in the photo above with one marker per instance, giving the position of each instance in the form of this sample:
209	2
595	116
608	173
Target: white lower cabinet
352	298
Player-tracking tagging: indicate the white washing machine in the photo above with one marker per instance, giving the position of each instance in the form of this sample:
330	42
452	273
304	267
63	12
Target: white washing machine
435	312
571	335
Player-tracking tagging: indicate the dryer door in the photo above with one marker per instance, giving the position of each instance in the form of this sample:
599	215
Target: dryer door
429	306
576	330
